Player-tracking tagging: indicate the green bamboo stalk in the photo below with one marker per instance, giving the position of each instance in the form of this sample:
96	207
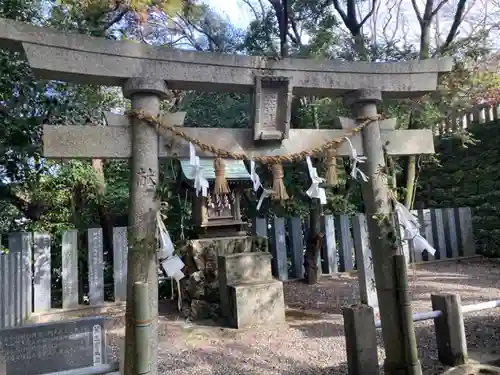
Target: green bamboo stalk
142	329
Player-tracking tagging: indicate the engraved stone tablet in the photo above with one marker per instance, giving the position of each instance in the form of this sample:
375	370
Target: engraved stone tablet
41	275
96	267
120	251
70	269
51	347
272	106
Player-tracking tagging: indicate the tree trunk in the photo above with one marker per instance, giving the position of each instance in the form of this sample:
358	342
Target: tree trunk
411	166
359	45
314	244
411	172
77	206
105	220
425	22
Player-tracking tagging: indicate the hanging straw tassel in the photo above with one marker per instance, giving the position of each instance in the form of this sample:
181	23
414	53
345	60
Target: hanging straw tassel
279	191
331	168
221	186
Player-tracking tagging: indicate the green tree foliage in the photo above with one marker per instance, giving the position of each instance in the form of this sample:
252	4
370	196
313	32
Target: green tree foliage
467	175
52	195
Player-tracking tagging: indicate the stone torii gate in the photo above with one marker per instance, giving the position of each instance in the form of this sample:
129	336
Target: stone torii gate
145	73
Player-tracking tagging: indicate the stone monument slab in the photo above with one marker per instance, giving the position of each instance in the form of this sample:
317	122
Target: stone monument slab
364	261
70	269
96	266
120	253
256	303
51	347
41	272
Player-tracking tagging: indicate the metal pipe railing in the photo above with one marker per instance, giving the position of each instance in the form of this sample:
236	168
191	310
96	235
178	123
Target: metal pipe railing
480	306
417	317
421	316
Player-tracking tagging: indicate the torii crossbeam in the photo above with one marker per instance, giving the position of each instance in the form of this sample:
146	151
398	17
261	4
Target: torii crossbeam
60	141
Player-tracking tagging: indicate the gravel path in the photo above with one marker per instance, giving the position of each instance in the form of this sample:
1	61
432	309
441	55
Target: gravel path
312	342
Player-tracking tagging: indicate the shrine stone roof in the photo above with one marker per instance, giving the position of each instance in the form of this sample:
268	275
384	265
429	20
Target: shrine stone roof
235	169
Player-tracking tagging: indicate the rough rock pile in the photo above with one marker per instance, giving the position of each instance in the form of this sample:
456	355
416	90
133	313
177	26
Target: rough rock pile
200	287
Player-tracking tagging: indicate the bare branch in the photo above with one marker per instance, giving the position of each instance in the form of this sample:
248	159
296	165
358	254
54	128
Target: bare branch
427	16
292	38
185	32
375	19
438	8
199	29
405	29
457	20
296	38
385	26
252	8
437	34
399	19
177	41
340	11
122	10
417	12
262	7
388	21
368	15
350	18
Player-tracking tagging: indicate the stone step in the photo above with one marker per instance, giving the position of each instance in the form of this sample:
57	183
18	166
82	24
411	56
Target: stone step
253	304
245	268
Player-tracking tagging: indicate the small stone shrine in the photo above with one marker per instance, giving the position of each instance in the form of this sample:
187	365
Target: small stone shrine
222	232
217	215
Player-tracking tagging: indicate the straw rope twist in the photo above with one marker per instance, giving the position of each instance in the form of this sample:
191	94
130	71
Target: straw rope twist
332	144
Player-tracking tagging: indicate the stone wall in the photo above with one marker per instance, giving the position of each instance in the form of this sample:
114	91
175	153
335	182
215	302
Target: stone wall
200	287
468	175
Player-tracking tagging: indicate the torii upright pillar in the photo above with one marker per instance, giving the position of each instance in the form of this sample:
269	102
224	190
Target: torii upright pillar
399	341
145	94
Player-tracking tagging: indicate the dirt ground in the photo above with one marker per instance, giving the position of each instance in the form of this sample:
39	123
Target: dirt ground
312	339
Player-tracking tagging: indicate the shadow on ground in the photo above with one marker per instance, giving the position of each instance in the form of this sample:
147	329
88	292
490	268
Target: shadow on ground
236	358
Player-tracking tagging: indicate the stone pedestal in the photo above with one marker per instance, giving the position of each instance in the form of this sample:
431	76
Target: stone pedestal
256	303
249	295
200	287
